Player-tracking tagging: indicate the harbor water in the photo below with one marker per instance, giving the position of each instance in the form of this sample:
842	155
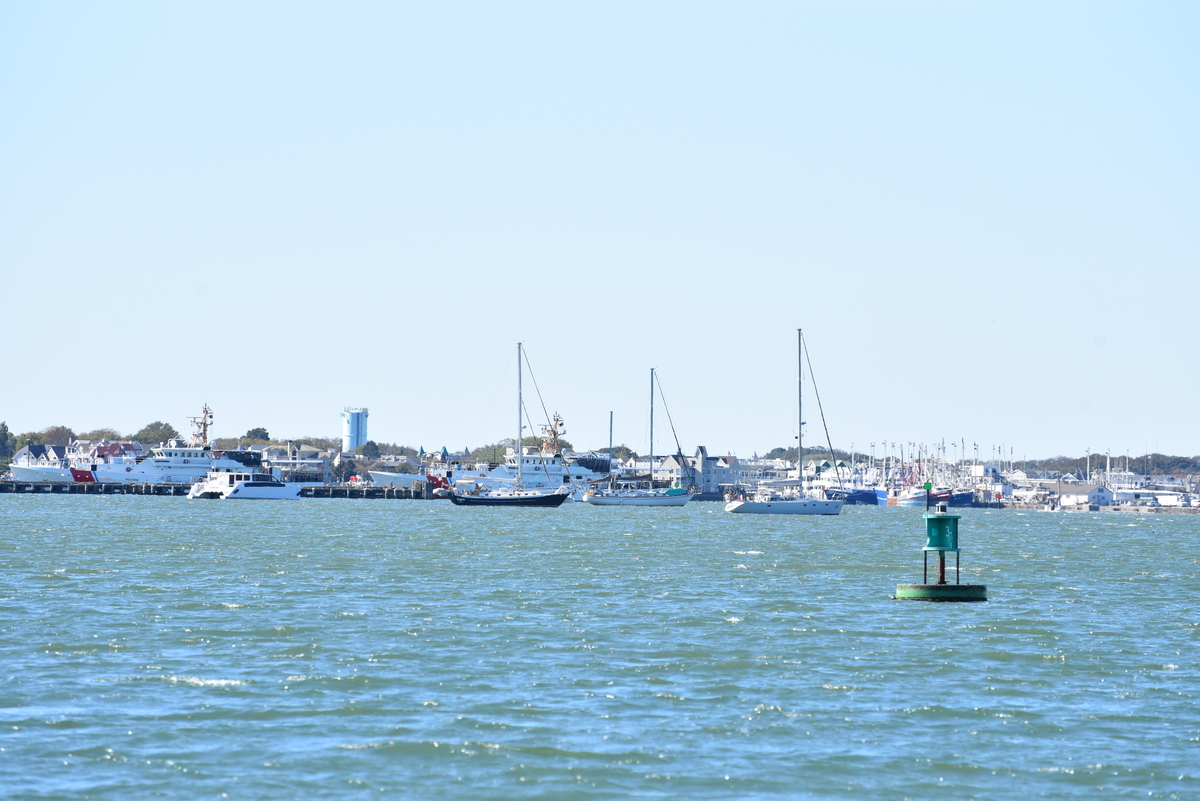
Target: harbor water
340	648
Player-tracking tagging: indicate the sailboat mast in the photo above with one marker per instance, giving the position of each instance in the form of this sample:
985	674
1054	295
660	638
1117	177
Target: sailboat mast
800	408
520	421
651	428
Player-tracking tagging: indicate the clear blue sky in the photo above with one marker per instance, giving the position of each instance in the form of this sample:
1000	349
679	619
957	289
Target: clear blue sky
985	216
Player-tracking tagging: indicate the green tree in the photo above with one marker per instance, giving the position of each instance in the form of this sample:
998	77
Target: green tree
8	442
536	442
369	450
258	434
623	452
320	443
57	435
392	449
811	451
154	433
28	438
101	433
492	454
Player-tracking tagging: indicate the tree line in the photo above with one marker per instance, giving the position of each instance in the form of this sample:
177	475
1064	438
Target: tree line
10	443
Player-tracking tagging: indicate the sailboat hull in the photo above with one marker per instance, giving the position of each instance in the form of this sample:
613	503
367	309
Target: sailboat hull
633	499
800	506
866	497
540	500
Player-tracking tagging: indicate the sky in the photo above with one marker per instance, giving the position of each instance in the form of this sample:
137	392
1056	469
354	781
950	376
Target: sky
984	216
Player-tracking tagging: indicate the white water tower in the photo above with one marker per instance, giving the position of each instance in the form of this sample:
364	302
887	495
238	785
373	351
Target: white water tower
354	428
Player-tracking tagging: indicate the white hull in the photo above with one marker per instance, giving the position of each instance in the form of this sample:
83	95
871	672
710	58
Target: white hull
159	471
41	473
229	486
635	499
403	480
799	506
284	493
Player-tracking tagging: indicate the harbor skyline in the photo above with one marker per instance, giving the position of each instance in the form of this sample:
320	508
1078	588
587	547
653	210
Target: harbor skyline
983	217
961	451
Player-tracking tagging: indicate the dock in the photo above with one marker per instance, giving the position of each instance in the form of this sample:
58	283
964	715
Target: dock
90	488
419	490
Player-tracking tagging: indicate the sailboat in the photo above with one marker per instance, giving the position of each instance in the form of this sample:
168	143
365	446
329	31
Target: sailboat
473	494
675	496
787	497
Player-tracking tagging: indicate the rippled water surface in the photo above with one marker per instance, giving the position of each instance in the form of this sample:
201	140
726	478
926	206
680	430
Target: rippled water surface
337	648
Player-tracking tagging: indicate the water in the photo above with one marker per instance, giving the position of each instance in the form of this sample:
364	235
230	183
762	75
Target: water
336	649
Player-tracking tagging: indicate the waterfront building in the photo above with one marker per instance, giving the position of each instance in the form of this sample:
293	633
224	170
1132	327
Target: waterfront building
1079	494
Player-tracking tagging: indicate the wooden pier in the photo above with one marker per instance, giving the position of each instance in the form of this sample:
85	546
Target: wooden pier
90	488
419	490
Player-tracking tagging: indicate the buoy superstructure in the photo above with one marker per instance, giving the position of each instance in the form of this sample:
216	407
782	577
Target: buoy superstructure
941	537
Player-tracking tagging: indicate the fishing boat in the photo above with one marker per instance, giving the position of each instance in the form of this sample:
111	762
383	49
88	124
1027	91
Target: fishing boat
919	496
674	496
470	493
787	497
851	497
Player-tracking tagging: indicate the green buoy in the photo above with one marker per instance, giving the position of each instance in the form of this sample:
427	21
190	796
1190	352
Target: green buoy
941	536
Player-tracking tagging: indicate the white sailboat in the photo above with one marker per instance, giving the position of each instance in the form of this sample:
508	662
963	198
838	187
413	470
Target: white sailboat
675	496
787	497
475	494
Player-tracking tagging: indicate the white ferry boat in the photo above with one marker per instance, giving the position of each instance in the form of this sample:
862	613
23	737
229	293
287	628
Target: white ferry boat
223	486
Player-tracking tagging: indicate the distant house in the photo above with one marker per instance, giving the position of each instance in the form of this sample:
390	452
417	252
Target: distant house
1078	494
710	473
985	472
402	459
41	456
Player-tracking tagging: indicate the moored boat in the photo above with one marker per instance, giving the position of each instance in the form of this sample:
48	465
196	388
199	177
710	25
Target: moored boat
852	497
472	493
916	496
172	462
257	486
675	496
771	502
787	497
461	495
